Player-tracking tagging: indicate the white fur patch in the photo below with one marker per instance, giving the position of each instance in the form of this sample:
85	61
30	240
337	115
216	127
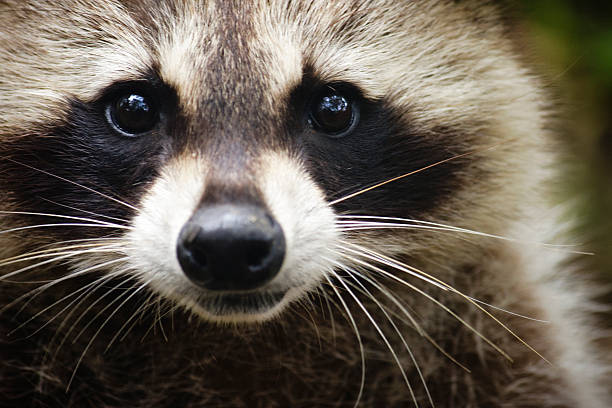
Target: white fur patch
164	211
307	220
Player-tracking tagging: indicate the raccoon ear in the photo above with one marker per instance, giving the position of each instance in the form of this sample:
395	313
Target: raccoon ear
132	113
334	111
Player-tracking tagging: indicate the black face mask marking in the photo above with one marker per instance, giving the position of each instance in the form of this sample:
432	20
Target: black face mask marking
88	158
374	145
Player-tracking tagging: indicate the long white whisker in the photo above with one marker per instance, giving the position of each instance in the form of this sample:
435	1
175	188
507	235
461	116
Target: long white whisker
135	291
55	244
305	313
411	321
416	274
73	183
94	303
391	180
349	223
385	292
360	287
159	319
434	300
71	224
103	280
62	245
68	254
98	283
83	289
401	267
422	332
53	252
380	333
85	211
323	297
533	319
145	305
356	330
37	291
152	327
66	217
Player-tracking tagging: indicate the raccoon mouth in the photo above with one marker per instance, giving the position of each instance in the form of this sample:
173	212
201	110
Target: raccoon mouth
232	304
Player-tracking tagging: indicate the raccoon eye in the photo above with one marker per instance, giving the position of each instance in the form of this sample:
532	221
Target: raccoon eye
333	112
132	114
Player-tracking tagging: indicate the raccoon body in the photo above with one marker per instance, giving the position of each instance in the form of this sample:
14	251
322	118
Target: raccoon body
274	203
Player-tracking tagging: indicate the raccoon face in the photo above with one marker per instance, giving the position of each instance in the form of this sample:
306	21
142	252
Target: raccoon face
237	158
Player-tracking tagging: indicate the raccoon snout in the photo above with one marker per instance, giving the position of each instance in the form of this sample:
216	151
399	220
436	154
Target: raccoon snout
231	247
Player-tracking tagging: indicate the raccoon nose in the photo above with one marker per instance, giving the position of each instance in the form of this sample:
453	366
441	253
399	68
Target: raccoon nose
231	247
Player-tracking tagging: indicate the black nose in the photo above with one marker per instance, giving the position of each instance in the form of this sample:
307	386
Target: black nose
231	247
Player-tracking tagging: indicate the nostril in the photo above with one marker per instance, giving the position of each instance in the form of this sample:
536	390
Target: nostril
256	254
200	257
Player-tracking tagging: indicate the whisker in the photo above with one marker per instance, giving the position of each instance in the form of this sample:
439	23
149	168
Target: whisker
357	334
66	217
346	223
398	265
403	267
411	321
103	280
434	300
29	256
152	327
134	293
68	224
507	311
73	183
140	318
37	291
323	297
66	255
387	293
417	274
380	334
304	312
391	180
57	245
361	288
83	289
159	319
124	221
145	305
100	282
391	297
97	301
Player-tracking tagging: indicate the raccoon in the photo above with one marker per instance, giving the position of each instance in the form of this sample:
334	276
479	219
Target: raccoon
274	203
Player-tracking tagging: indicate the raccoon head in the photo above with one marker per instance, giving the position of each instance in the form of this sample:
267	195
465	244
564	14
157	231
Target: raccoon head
234	157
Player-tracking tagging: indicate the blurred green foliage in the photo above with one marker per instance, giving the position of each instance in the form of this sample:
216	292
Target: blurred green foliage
573	40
